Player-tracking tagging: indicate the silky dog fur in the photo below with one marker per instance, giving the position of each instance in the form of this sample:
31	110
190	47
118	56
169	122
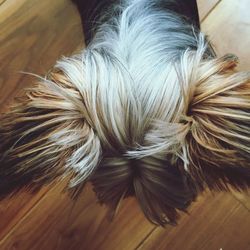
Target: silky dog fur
146	110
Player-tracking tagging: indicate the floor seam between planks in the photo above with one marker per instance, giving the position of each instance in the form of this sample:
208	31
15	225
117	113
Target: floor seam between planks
145	238
241	202
211	10
26	214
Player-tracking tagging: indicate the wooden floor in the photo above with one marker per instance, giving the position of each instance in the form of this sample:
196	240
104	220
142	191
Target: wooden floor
33	35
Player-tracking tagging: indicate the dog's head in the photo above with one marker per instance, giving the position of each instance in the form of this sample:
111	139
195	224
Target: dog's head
160	128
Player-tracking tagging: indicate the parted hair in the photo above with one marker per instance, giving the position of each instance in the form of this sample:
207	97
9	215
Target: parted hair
146	110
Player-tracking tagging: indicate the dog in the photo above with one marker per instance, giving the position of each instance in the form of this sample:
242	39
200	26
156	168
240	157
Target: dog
147	110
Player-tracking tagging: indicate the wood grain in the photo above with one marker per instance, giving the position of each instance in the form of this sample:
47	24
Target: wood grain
205	7
214	223
12	210
33	35
60	223
228	26
244	198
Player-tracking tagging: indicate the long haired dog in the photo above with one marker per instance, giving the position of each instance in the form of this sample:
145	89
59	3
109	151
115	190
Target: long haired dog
146	110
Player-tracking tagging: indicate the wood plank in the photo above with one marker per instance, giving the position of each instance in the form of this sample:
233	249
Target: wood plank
228	26
205	6
244	198
217	222
59	223
31	39
13	209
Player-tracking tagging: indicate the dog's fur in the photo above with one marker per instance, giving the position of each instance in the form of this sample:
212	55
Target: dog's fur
147	110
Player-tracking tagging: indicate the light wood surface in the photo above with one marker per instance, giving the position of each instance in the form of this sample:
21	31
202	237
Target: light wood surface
205	7
228	26
33	35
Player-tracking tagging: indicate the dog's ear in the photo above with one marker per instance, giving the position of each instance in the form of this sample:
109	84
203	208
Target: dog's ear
46	135
219	137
